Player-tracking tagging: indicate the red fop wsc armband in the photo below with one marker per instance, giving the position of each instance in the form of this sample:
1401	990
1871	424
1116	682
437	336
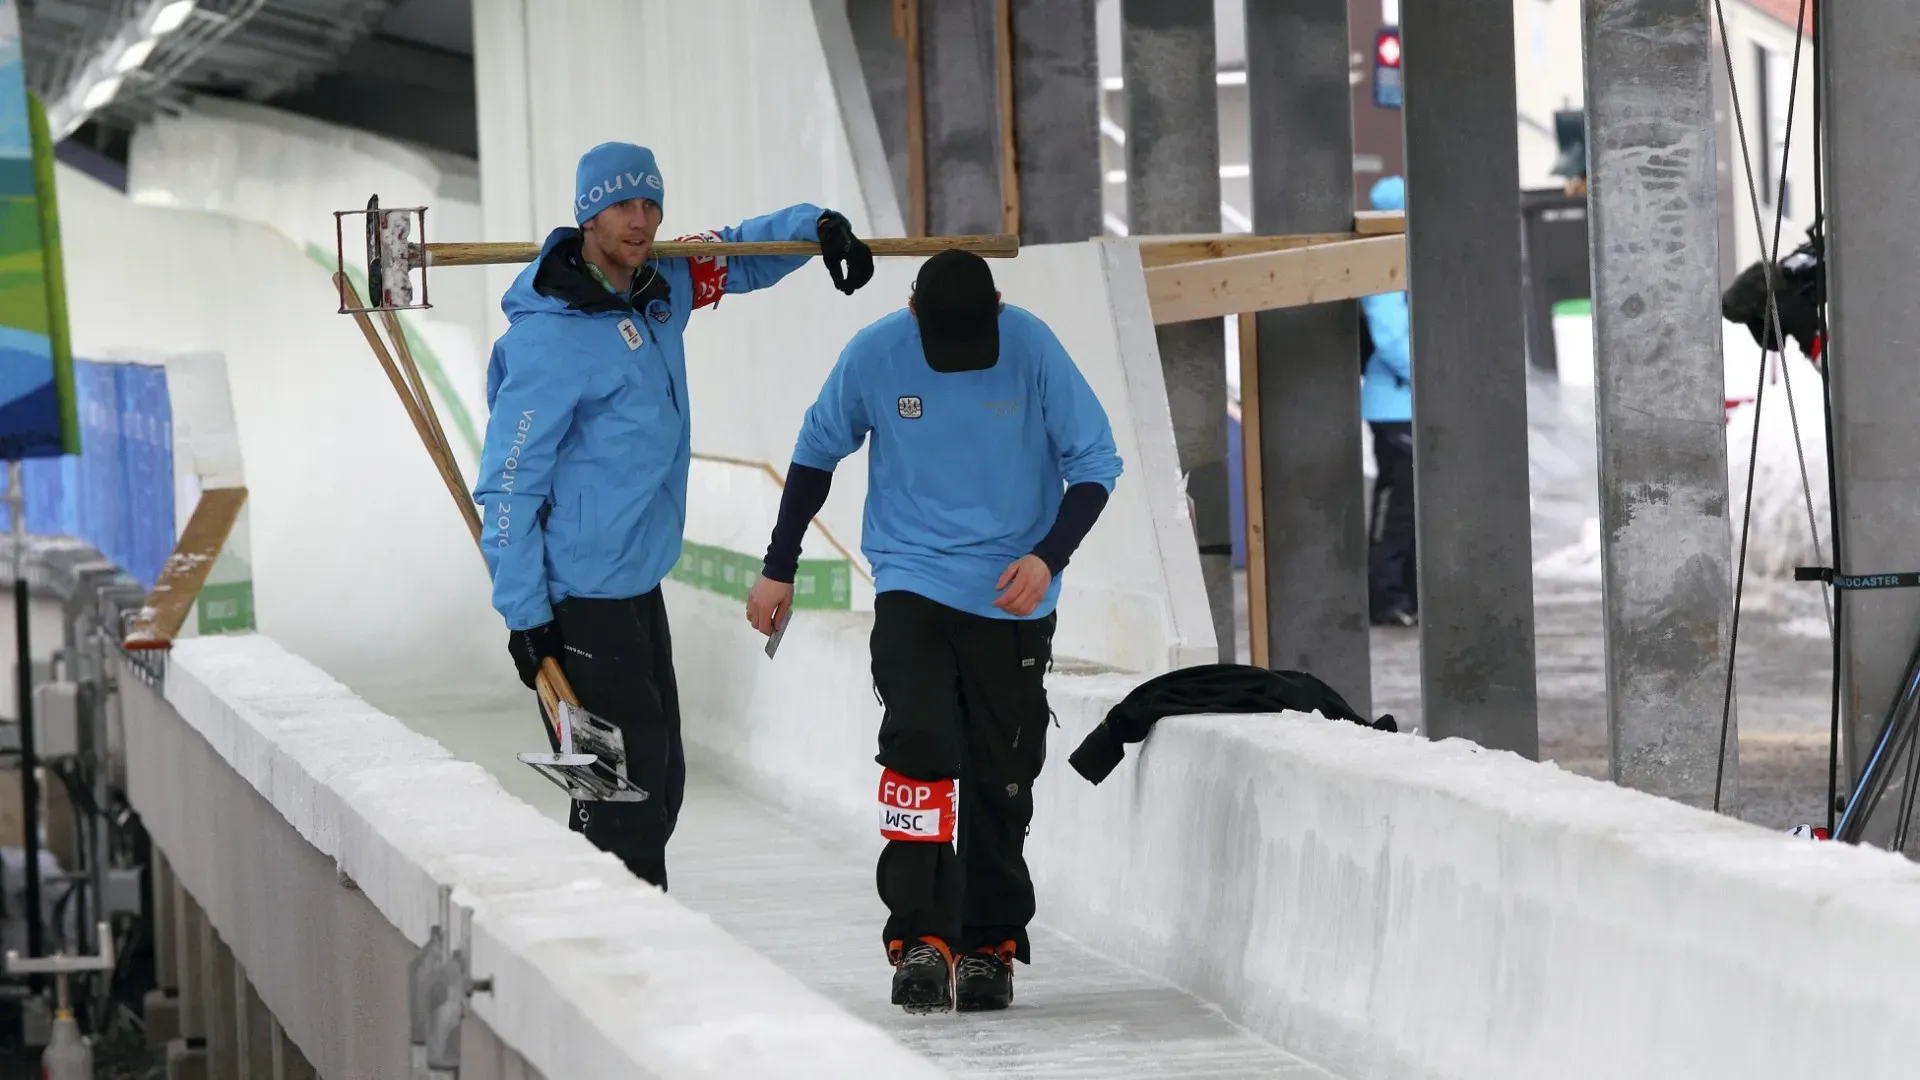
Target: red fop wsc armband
917	810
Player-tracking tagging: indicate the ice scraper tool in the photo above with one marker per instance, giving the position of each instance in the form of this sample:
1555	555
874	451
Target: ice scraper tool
590	759
395	253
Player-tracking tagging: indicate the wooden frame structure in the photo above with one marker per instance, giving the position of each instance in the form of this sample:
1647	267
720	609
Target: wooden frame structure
1210	277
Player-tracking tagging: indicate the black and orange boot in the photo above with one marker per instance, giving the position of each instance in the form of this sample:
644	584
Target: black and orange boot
983	979
922	975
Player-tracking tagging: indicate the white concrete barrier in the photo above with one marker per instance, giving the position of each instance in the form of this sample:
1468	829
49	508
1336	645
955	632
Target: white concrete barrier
1380	904
595	974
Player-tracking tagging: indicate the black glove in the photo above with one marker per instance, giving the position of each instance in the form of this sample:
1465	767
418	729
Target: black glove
839	245
530	647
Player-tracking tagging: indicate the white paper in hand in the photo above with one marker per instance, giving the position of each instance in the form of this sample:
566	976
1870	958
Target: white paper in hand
780	631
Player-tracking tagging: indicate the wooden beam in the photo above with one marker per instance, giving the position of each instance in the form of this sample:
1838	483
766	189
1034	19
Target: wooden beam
1165	251
1253	493
1009	154
916	121
491	253
159	621
1217	288
1380	222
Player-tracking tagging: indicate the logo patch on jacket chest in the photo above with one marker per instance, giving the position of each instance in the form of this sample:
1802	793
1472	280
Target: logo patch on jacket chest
631	333
910	407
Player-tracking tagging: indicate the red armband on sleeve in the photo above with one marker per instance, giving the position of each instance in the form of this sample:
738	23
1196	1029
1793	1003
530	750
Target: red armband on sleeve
709	271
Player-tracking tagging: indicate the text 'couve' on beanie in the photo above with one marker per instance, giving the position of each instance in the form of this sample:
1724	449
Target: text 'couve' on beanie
612	173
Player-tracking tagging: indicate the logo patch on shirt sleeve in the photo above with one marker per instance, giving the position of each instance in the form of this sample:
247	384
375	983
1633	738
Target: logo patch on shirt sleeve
909	407
631	334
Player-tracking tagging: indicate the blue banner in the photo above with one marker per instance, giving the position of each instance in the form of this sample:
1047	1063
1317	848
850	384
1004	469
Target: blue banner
117	494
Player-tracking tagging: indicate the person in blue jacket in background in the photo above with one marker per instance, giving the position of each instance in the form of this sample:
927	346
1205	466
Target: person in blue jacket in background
990	460
1386	404
583	476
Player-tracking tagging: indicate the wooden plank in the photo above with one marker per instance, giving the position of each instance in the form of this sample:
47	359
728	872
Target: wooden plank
1165	251
916	122
1380	222
1254	498
185	573
1295	277
1009	160
986	245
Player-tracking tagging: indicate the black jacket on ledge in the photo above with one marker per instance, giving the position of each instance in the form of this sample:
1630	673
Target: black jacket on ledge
1207	688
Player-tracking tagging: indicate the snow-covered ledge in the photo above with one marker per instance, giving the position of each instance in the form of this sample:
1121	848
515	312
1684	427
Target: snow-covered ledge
594	974
1381	904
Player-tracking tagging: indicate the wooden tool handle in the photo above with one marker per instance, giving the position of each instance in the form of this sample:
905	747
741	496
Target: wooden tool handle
992	246
552	686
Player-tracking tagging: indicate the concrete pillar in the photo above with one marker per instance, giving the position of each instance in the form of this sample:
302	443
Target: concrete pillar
216	973
1056	119
187	1054
1469	377
160	1007
187	949
1660	380
1173	186
286	1061
253	1028
962	117
883	63
1316	530
1872	90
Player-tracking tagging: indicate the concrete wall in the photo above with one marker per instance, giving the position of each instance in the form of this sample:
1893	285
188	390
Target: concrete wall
1380	904
315	832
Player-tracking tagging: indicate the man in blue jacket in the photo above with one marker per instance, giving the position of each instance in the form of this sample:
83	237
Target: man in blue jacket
991	458
583	478
1386	404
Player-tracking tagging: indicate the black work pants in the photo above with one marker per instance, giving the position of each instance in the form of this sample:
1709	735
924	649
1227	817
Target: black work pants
965	698
1392	576
619	658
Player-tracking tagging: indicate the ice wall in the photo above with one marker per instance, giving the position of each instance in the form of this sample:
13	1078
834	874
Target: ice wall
291	173
361	562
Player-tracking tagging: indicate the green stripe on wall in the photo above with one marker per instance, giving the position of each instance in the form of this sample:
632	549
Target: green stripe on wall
818	584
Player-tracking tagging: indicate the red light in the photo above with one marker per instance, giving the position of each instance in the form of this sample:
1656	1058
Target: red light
1387	50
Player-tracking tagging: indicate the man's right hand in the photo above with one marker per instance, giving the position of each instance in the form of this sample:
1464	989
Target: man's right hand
530	647
768	603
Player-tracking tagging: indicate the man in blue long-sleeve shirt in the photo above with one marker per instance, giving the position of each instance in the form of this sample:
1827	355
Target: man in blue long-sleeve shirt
583	477
1386	404
990	460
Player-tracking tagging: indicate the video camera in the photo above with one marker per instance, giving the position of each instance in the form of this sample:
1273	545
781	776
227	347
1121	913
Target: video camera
1799	288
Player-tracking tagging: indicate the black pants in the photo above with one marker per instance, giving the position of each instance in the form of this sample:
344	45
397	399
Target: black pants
1392	577
619	658
965	698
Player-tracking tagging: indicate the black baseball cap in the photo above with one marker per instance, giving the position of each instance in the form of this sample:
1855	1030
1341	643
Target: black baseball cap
959	312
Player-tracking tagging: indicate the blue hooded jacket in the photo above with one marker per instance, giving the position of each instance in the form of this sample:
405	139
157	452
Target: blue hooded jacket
1386	396
583	476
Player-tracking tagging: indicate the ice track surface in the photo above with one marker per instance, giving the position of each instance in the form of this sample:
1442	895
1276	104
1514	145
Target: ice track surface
806	901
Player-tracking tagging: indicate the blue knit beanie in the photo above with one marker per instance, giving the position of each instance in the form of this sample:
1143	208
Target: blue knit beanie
611	173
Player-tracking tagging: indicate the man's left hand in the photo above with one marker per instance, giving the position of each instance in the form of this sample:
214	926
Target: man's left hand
1023	585
839	246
